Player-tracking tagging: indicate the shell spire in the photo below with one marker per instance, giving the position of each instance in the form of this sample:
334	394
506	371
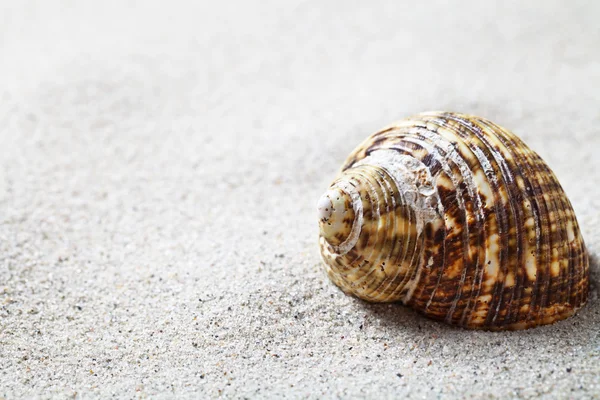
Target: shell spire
457	218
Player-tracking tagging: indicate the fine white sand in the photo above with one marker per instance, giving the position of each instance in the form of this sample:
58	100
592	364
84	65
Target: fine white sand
160	164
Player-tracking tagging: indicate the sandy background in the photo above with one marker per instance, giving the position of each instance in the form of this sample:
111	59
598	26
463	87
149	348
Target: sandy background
159	169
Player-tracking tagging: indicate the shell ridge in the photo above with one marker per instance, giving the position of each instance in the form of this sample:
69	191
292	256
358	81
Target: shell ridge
434	146
551	236
351	240
406	246
505	217
542	250
519	218
431	142
415	278
382	257
398	166
467	177
484	153
539	209
559	236
399	265
374	207
402	258
484	165
380	238
556	298
522	275
392	227
421	259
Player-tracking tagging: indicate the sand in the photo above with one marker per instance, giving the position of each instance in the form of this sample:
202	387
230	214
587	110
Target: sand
160	166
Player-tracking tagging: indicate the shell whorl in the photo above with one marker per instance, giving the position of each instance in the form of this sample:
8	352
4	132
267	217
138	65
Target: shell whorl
457	218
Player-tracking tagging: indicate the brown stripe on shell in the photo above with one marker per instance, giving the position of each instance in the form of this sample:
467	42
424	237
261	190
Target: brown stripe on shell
461	221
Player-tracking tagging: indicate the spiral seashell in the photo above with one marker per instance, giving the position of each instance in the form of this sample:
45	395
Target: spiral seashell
457	218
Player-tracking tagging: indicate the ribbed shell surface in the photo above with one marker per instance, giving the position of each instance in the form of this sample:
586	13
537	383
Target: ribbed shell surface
460	220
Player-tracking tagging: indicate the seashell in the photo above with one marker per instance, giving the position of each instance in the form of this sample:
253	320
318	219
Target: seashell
457	218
